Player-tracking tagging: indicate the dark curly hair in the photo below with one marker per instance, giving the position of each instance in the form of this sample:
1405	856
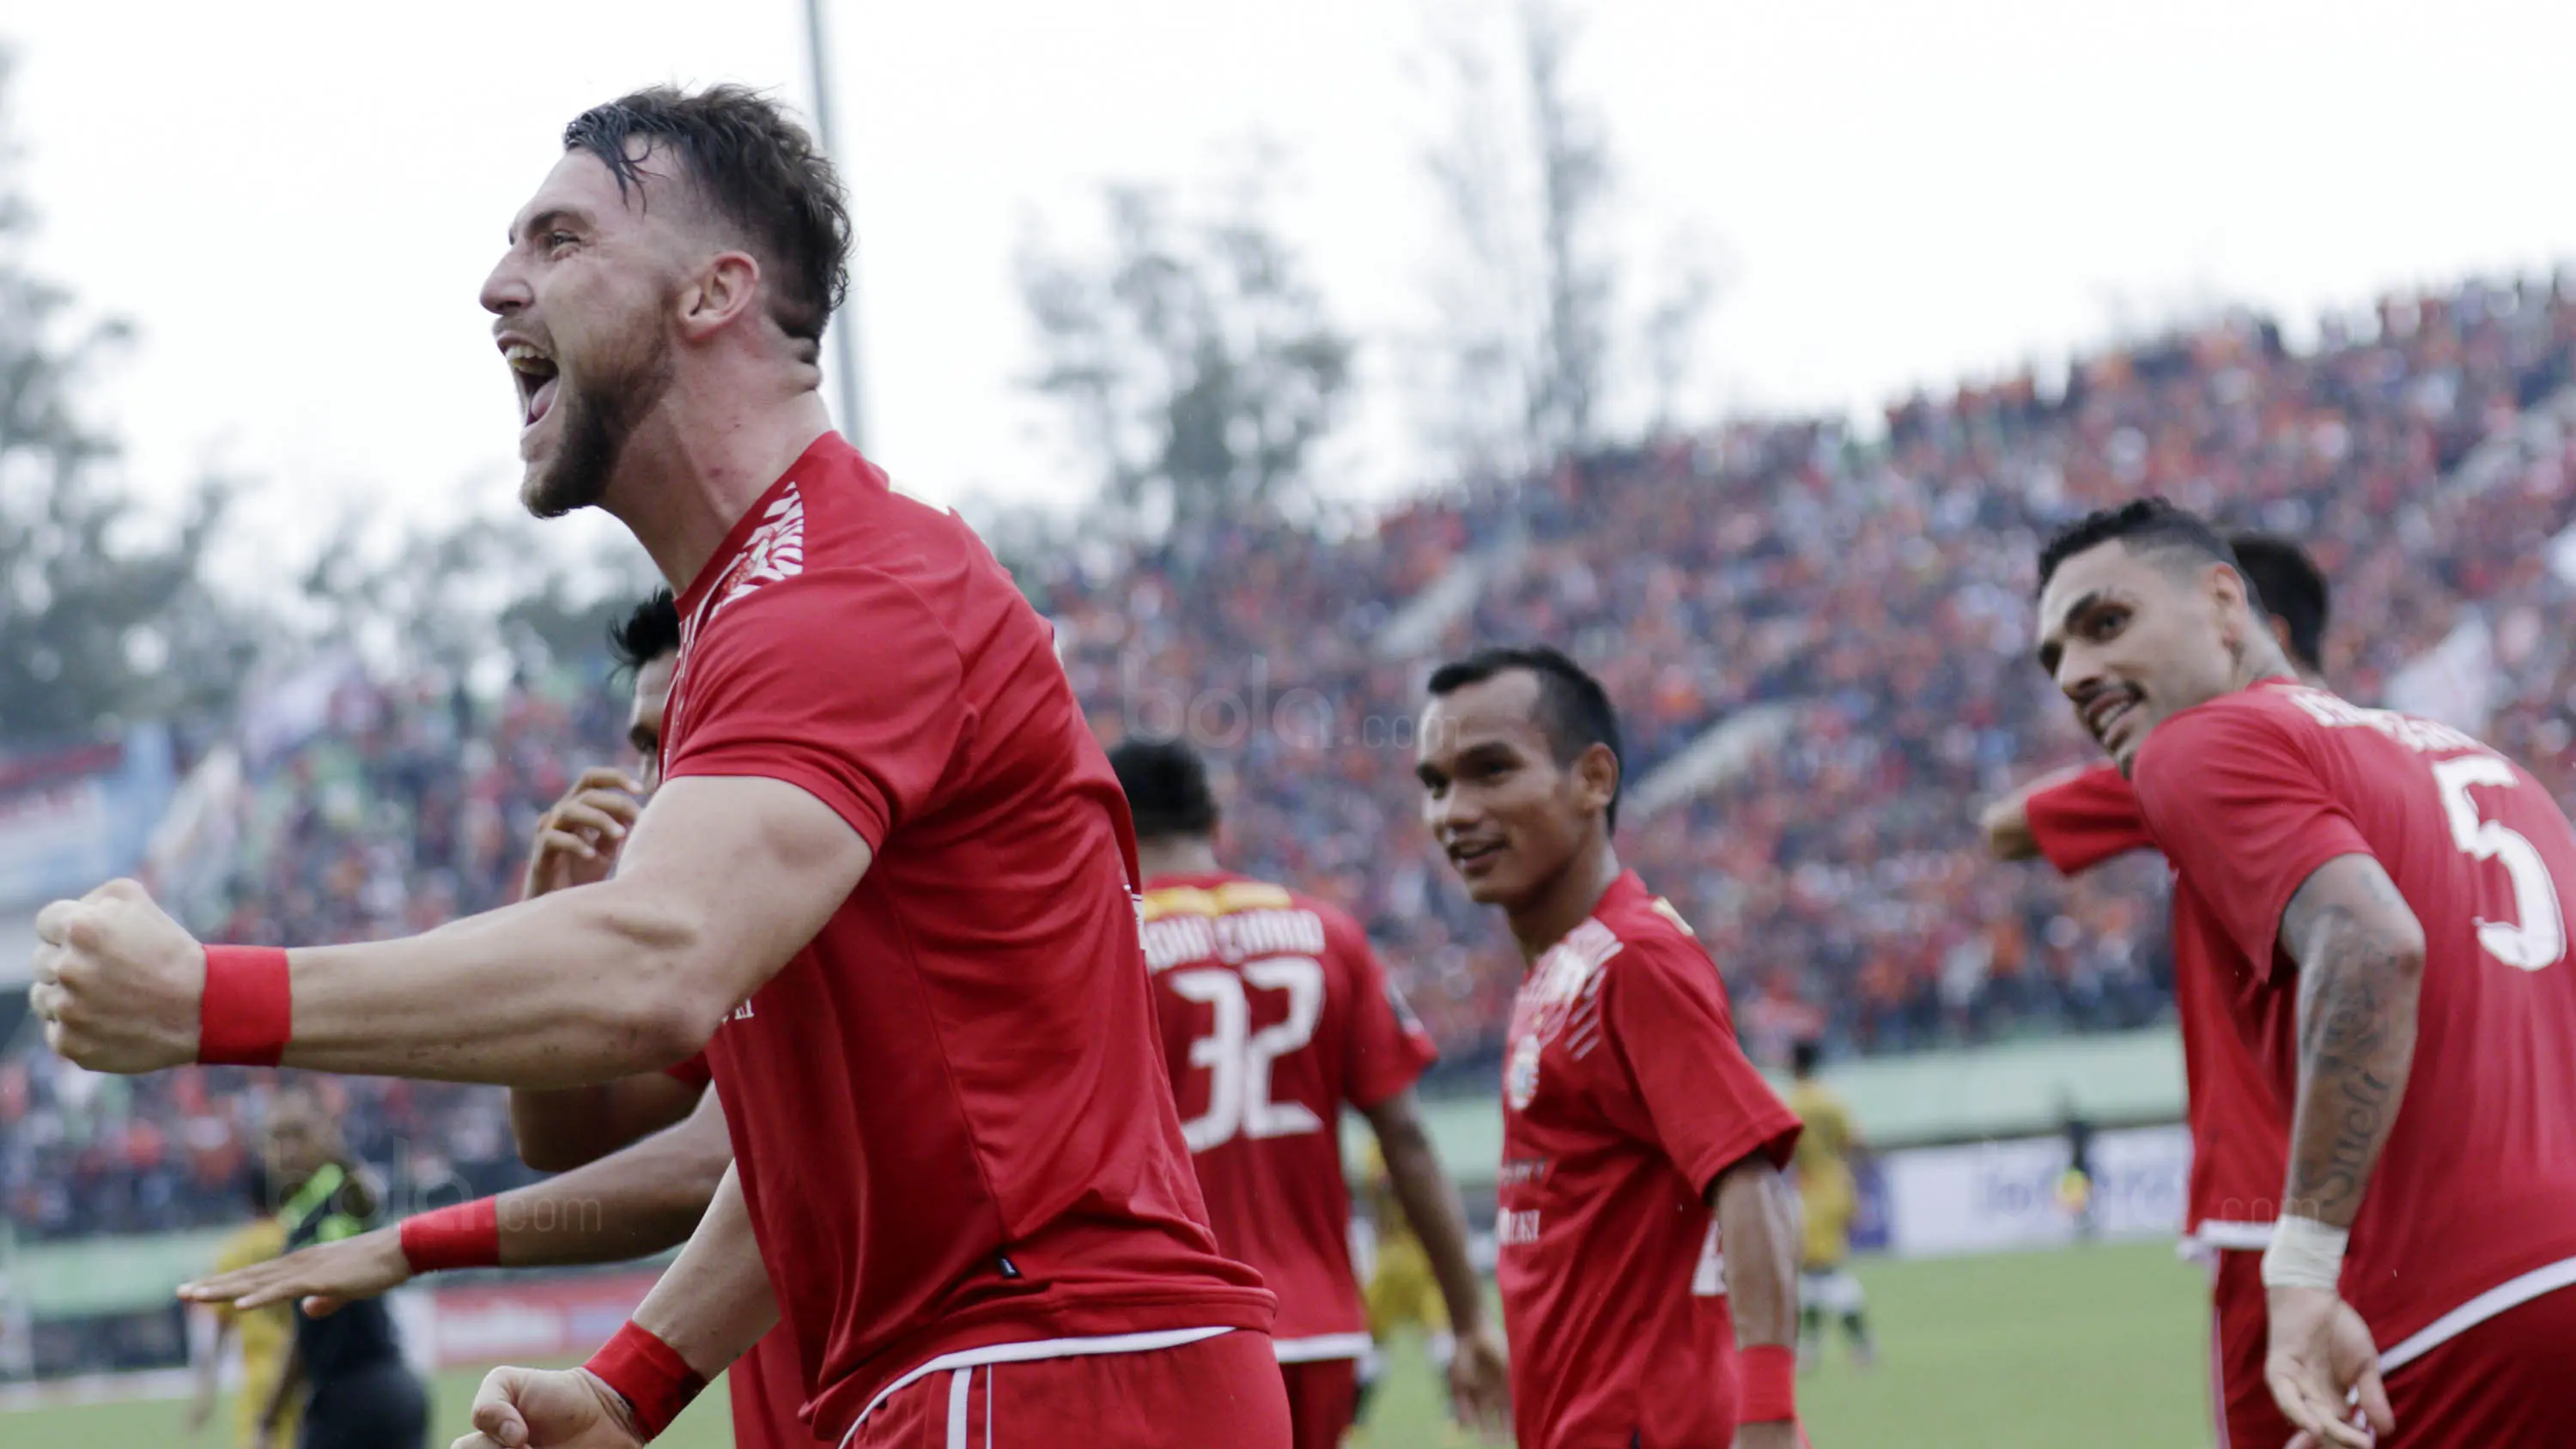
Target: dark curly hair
750	161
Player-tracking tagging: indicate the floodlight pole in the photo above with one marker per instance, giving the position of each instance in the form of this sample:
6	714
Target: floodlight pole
844	328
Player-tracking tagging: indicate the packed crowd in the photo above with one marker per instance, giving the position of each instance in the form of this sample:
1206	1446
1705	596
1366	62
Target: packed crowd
405	806
1879	590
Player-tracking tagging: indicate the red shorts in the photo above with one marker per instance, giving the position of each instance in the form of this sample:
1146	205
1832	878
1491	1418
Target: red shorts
1323	1398
1217	1393
2240	1334
2503	1382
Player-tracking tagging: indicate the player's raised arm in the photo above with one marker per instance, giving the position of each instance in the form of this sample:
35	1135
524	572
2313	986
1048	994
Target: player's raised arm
725	878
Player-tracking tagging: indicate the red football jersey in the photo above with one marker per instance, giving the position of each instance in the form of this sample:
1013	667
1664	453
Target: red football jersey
1275	1013
1625	1095
953	1128
2240	1144
766	1387
2474	1197
2081	820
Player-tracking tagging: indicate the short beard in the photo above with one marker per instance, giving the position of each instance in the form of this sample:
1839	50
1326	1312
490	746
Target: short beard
598	419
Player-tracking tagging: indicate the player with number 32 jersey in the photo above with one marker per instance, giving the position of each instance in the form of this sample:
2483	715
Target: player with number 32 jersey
1275	1012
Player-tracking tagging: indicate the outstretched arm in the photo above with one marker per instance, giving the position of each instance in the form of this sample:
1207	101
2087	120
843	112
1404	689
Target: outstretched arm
2360	953
2006	825
724	879
642	1200
578	842
563	1128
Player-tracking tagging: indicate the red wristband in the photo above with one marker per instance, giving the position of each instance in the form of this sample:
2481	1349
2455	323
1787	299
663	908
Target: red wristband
249	1008
649	1374
1767	1387
467	1235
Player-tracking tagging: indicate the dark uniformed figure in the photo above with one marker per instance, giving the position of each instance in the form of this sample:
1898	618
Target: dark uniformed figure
356	1391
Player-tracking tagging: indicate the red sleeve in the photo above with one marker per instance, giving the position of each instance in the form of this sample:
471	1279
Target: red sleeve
2238	807
692	1073
1702	1101
2085	819
841	684
1388	1049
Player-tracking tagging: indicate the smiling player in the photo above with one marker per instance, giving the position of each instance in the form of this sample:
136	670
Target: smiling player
1649	1260
2382	903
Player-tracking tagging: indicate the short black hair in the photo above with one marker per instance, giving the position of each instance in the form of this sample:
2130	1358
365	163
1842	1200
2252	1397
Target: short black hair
755	167
1167	788
2292	589
647	633
2144	525
1804	1053
1573	709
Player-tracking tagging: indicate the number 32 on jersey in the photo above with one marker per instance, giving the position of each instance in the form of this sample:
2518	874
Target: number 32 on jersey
1237	1059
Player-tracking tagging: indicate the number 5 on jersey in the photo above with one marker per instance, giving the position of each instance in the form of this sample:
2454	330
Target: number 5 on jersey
1238	1059
2538	938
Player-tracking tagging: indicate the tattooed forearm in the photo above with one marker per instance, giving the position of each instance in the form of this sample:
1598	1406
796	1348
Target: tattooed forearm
2360	953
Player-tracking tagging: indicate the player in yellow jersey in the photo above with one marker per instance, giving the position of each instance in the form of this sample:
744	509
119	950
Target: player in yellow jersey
1402	1291
264	1332
1831	1199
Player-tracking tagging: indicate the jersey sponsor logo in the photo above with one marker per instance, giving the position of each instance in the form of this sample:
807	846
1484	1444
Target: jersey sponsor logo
1516	1228
1523	1171
1520	1078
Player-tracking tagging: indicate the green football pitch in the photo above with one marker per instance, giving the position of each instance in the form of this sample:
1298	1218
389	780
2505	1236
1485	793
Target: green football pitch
2105	1344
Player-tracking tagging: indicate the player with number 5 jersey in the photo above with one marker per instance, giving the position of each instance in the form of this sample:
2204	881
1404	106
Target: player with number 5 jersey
1649	1244
1275	1013
2383	902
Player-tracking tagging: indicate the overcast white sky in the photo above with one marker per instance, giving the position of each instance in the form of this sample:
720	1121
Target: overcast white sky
296	200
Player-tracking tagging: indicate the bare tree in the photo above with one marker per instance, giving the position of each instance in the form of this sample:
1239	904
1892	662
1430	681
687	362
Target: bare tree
1532	353
1193	359
99	622
1674	324
1525	303
1574	182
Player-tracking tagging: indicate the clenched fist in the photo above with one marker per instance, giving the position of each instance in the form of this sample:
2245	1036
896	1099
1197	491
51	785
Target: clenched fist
536	1409
118	983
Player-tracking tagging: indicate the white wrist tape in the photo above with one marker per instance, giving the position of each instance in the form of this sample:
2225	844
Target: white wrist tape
2305	1253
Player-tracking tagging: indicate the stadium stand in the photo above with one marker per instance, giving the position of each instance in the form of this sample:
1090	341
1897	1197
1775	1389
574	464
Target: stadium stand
1871	593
